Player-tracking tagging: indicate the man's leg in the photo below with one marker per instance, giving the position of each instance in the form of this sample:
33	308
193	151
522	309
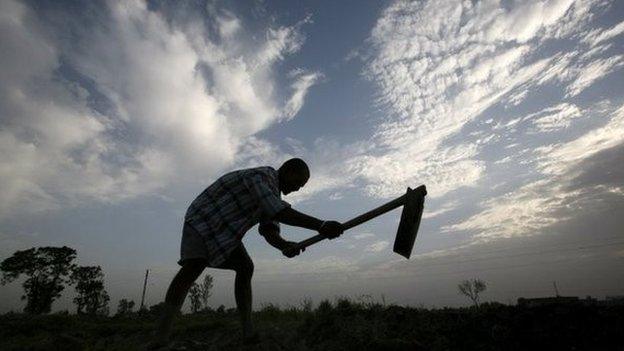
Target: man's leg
243	295
242	264
174	299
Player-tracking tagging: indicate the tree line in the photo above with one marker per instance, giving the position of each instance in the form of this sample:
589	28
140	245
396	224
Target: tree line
48	270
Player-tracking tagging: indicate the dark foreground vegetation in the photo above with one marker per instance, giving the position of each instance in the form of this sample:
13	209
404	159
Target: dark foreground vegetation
342	325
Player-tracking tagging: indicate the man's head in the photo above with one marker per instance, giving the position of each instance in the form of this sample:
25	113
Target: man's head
293	174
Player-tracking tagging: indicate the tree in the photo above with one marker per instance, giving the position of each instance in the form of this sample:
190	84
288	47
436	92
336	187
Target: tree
154	310
195	296
46	269
125	307
205	290
472	288
200	293
92	298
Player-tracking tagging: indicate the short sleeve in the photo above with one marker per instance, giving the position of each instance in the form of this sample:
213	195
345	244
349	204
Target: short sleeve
269	202
267	224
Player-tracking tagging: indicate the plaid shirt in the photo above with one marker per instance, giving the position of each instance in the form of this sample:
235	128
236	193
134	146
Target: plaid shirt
228	208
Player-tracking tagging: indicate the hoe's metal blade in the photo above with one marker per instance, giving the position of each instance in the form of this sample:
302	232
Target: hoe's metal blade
410	221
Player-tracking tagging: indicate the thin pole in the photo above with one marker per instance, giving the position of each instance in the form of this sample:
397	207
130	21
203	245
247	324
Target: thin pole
144	285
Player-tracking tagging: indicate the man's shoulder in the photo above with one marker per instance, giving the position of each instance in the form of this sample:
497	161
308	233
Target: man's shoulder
262	170
266	173
267	170
249	171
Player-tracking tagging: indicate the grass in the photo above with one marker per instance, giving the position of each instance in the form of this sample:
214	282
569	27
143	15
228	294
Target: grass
340	325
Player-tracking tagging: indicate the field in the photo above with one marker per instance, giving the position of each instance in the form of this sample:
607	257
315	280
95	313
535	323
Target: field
342	325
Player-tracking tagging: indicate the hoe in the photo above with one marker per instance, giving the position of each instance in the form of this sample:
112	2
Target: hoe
412	201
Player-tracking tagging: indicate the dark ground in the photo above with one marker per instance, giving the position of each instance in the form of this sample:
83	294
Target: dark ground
343	325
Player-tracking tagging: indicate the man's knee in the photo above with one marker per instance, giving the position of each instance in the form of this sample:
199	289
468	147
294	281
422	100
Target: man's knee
193	268
246	268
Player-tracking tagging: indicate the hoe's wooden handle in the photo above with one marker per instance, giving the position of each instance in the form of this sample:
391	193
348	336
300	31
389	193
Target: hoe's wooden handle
398	202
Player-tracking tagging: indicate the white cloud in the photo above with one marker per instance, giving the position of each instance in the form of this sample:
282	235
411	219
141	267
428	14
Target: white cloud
437	71
389	175
280	42
560	159
377	246
438	65
597	36
180	106
437	76
579	14
591	72
447	207
363	236
228	25
330	167
335	196
303	82
554	118
595	51
517	97
541	203
521	212
255	151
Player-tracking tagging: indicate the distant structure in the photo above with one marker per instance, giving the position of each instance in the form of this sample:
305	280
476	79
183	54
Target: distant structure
556	300
571	300
143	295
545	301
556	290
613	300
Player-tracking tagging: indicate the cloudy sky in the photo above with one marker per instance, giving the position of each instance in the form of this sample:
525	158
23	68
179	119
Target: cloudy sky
115	115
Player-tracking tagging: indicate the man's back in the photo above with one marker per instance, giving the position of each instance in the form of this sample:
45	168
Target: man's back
232	184
232	205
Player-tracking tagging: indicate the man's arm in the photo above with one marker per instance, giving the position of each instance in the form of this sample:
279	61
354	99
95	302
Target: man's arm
273	237
275	209
295	218
330	229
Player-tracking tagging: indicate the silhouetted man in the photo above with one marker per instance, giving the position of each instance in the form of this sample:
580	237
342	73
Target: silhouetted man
216	222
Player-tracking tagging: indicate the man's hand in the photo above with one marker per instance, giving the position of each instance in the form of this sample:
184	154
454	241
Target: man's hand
331	229
291	249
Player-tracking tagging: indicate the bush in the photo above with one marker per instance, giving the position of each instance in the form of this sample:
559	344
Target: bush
324	307
347	325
